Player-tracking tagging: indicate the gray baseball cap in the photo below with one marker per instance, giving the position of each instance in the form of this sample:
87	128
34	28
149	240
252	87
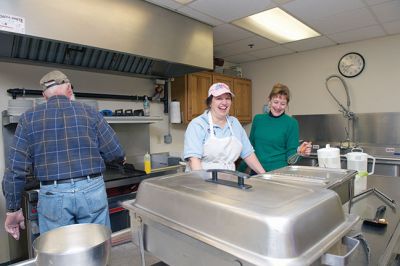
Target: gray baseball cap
53	78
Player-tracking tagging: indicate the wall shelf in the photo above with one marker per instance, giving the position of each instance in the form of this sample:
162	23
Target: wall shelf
132	119
13	119
9	119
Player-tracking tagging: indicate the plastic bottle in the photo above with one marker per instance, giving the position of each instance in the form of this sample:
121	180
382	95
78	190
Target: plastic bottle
265	109
146	106
147	163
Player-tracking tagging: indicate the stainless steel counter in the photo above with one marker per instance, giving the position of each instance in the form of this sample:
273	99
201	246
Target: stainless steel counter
383	242
386	166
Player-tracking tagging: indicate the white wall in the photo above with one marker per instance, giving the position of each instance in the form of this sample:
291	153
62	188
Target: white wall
28	76
376	89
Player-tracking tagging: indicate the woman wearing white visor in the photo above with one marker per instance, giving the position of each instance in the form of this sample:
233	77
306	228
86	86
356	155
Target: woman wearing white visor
215	140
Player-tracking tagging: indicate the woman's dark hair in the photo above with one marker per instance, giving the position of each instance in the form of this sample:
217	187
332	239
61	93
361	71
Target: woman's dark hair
209	100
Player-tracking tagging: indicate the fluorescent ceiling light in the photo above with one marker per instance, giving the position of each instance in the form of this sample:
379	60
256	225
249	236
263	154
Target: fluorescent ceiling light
183	2
276	25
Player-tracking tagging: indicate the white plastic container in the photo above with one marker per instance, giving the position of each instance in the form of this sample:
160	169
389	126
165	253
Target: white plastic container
146	106
358	160
329	157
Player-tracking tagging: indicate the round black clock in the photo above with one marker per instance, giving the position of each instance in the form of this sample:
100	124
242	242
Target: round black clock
351	64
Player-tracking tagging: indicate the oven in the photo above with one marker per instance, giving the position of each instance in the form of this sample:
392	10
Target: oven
121	183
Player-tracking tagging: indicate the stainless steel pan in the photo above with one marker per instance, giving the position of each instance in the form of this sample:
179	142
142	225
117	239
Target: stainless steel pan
78	244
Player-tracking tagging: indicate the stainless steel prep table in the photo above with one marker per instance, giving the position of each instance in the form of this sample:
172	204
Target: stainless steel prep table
383	242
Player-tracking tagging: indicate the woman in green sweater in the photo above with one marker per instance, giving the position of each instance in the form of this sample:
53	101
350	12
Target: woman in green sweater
275	135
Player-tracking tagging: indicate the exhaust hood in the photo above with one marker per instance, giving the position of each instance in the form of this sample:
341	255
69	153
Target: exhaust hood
127	37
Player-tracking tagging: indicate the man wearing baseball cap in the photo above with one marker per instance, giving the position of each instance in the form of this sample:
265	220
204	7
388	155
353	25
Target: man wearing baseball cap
64	144
215	140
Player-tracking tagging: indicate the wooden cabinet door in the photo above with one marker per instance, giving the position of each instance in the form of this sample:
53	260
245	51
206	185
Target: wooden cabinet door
224	79
192	91
242	91
197	92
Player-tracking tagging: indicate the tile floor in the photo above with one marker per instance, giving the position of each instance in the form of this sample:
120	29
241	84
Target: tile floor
128	255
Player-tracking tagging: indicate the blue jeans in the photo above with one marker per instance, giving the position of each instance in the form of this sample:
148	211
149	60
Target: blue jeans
84	201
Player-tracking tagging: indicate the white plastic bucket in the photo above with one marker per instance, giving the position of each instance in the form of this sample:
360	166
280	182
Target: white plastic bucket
329	157
359	161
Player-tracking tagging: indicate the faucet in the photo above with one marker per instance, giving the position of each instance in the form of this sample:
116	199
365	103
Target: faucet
349	115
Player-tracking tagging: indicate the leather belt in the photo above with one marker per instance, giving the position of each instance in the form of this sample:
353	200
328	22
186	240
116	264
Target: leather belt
69	180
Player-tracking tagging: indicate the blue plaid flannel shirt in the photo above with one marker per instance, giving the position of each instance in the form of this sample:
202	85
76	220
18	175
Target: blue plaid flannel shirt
57	140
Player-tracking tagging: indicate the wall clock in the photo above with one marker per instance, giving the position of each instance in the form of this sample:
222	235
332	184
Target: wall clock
351	64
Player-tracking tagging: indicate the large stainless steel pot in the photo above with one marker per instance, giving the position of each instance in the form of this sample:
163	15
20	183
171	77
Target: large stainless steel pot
78	244
185	220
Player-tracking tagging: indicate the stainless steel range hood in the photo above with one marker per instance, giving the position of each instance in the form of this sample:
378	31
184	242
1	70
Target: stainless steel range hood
128	37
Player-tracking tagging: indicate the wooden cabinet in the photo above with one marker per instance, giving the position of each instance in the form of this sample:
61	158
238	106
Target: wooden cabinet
191	91
242	101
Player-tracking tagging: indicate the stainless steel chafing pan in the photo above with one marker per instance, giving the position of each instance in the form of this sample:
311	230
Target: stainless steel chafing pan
339	180
187	221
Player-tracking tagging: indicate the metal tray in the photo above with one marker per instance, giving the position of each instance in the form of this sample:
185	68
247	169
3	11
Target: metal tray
339	180
270	223
326	177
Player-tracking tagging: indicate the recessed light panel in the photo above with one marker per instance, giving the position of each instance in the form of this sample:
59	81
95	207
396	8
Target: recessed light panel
276	25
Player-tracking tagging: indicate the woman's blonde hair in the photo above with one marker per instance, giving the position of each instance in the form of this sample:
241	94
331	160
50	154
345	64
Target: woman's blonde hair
279	89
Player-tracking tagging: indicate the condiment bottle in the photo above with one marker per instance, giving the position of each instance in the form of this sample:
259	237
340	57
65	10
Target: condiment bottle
146	106
147	163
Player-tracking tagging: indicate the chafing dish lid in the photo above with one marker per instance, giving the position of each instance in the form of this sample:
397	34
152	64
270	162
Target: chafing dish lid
269	223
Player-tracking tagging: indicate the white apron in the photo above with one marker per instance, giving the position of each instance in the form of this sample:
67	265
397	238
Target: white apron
220	153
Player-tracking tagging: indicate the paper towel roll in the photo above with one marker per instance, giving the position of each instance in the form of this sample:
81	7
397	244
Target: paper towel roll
175	112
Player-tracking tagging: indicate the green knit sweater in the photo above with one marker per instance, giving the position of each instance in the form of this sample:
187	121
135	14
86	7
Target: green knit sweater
274	139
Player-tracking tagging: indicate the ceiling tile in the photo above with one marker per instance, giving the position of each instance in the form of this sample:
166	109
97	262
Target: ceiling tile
357	35
339	21
270	52
375	2
170	4
388	11
345	21
199	16
281	2
392	27
242	58
243	46
227	33
232	9
309	44
317	9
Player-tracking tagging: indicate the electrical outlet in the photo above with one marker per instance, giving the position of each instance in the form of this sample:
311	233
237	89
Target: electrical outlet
168	139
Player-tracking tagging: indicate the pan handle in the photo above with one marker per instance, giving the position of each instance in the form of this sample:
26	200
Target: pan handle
31	262
240	183
336	260
380	212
